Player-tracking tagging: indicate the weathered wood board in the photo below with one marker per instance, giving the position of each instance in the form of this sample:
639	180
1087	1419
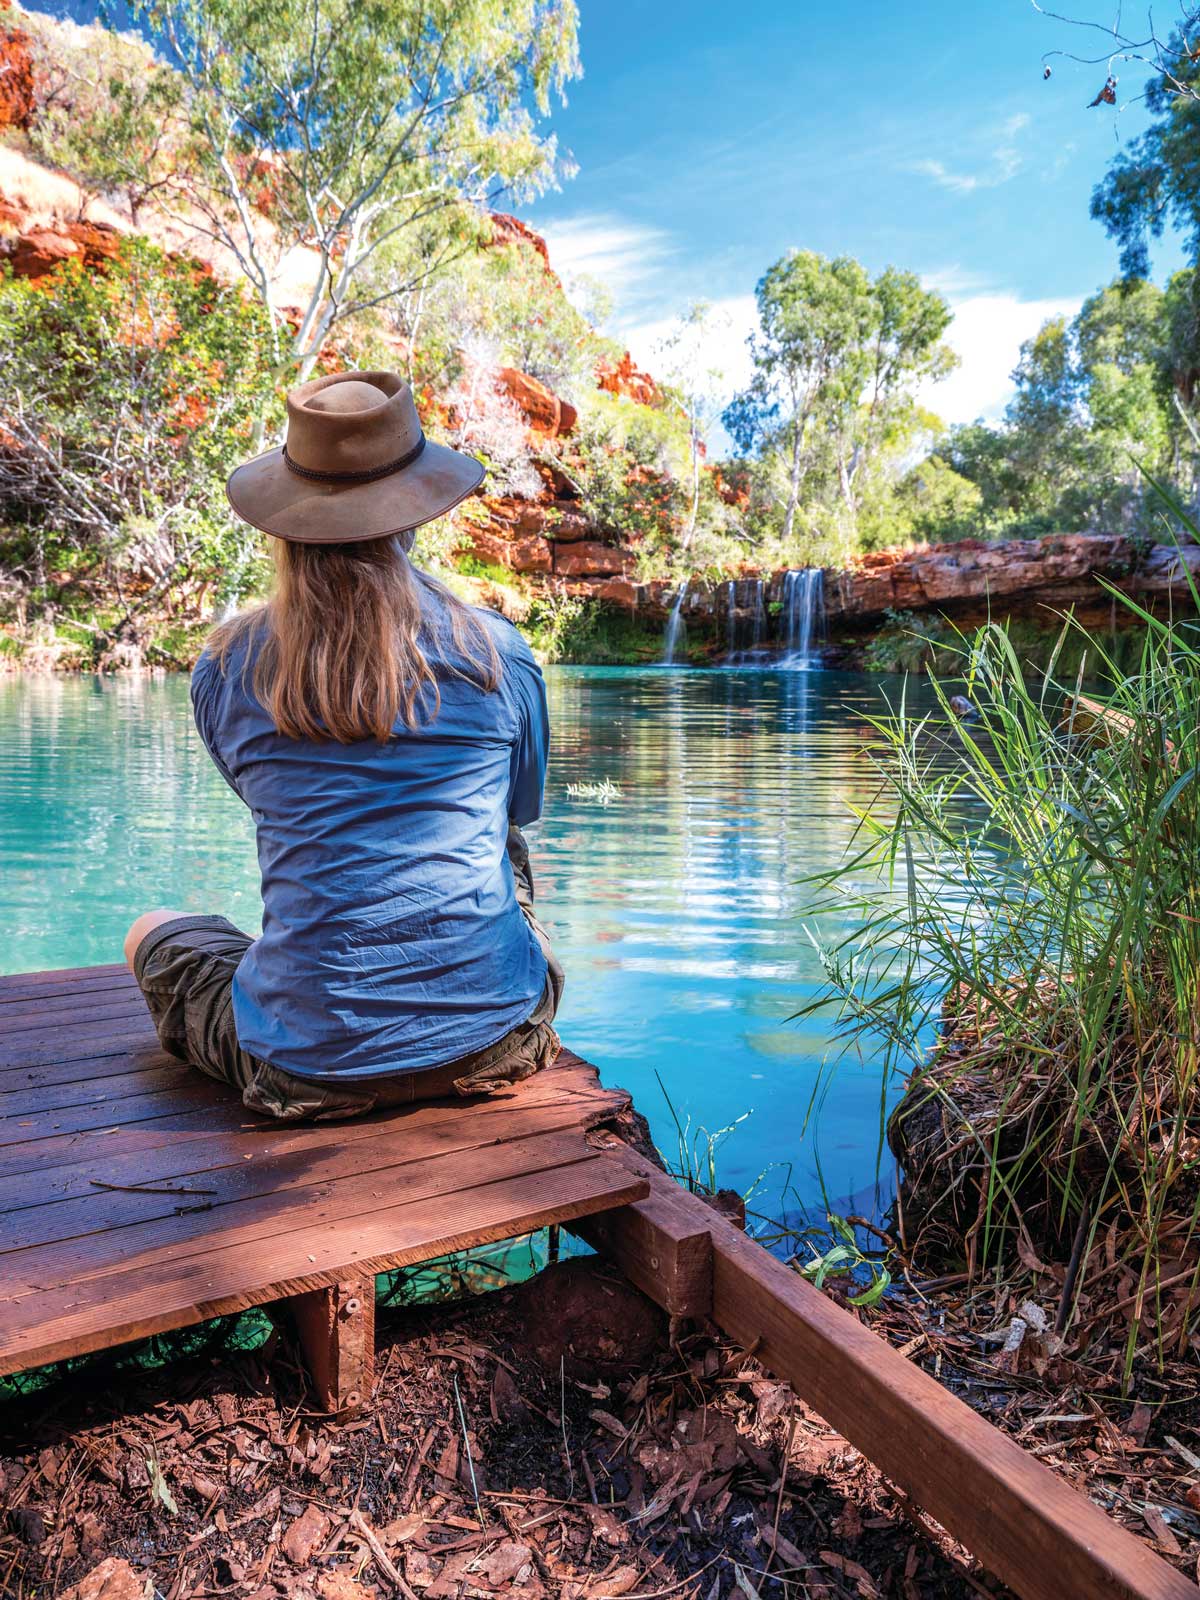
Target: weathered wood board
139	1196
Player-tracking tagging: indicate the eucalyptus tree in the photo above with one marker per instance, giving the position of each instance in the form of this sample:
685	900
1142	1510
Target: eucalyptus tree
336	134
837	361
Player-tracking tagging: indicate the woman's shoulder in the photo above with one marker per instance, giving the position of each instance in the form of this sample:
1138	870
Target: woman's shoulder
228	653
507	637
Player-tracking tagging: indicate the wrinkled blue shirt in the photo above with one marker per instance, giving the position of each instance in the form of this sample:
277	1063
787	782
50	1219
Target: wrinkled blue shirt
391	938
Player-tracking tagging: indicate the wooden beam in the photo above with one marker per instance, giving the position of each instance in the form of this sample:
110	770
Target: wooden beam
1045	1540
661	1245
336	1326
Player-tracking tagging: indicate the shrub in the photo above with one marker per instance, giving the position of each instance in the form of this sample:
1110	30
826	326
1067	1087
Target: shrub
127	396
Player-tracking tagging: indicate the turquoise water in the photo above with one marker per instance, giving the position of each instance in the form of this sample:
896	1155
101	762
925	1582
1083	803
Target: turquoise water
675	903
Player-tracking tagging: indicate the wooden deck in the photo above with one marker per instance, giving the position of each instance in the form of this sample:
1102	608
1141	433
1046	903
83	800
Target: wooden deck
139	1196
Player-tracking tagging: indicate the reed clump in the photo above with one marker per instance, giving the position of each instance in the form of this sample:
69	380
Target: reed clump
1023	907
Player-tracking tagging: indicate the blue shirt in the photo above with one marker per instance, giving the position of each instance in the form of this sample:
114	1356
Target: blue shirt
392	938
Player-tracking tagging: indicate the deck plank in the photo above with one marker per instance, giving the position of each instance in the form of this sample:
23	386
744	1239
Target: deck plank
56	1072
25	1100
261	1218
264	1181
140	1195
65	1013
70	1320
69	981
563	1099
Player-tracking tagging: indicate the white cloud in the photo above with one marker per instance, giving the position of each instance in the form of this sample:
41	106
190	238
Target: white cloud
1004	162
724	357
638	265
627	258
987	332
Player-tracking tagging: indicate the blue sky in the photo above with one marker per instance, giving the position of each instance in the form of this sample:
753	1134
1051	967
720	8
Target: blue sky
712	137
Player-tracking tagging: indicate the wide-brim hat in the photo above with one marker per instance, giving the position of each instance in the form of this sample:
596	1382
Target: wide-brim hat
356	465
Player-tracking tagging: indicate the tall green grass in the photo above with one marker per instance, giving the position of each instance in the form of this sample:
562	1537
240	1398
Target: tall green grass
1023	907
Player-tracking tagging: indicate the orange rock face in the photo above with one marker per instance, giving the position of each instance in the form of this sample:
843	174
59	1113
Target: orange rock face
627	379
16	75
518	553
506	229
974	570
37	253
542	409
591	559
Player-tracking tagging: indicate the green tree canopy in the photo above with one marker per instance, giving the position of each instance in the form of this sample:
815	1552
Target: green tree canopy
1098	397
351	125
127	396
837	361
1154	180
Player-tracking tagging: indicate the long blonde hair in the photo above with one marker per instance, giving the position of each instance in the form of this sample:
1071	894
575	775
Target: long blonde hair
343	641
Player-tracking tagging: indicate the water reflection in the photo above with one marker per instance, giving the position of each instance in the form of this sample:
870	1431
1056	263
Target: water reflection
675	905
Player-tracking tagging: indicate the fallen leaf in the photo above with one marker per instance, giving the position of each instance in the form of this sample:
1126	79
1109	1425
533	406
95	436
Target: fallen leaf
159	1488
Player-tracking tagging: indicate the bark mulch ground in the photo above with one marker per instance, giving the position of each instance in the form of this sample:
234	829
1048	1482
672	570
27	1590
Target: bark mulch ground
1124	1432
543	1440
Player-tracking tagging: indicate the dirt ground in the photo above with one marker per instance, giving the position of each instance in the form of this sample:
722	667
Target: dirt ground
543	1440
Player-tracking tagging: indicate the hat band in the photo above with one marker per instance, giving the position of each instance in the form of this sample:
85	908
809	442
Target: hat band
368	476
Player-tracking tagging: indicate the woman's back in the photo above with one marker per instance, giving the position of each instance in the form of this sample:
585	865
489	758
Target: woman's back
392	937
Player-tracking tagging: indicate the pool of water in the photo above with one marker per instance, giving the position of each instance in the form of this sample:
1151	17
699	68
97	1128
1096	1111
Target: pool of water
683	811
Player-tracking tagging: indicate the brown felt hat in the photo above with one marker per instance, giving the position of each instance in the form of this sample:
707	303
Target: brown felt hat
356	465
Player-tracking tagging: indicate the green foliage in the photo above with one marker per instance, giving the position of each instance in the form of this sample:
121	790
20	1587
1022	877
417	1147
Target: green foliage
911	642
932	502
845	1258
837	361
360	127
1026	942
1154	178
495	307
569	628
1097	398
127	397
106	111
630	463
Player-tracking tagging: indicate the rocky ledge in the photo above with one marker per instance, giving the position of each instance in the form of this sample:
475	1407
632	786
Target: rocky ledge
552	542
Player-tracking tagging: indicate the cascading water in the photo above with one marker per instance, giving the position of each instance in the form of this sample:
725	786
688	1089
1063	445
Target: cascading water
676	627
742	596
803	618
760	616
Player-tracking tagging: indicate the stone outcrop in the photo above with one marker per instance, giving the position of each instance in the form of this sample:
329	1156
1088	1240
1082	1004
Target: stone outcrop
546	538
35	254
942	577
507	229
544	411
625	378
16	72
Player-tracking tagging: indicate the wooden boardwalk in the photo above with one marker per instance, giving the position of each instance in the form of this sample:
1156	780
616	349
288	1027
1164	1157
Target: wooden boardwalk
139	1196
136	1196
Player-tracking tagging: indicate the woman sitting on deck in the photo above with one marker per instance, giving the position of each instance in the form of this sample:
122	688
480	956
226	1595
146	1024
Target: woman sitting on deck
389	741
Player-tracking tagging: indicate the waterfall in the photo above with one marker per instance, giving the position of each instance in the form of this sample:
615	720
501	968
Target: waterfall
803	617
760	616
676	627
752	594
